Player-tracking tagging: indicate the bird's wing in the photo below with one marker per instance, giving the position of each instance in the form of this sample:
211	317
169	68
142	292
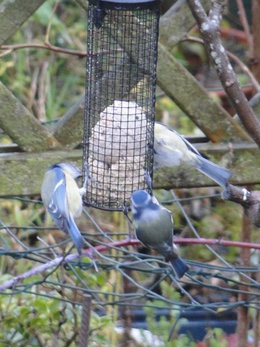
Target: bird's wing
171	148
162	145
187	143
156	223
155	201
58	205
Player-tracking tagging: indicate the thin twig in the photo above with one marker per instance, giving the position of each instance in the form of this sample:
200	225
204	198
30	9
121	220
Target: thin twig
33	88
209	29
233	57
50	47
47	35
243	312
48	246
47	46
243	19
245	69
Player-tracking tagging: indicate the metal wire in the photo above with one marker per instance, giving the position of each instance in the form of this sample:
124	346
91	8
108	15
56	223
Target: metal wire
120	102
209	287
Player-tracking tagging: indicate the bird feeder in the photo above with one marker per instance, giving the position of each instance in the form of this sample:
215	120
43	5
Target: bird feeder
120	100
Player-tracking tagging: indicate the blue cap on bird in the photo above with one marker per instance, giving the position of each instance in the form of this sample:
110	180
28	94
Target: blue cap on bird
139	197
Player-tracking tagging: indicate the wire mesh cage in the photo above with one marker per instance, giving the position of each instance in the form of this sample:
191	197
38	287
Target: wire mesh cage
120	100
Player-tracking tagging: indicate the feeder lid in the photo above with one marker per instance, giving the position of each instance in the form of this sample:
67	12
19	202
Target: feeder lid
126	4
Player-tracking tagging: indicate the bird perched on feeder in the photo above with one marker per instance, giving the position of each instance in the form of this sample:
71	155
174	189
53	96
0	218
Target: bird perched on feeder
154	228
63	199
172	149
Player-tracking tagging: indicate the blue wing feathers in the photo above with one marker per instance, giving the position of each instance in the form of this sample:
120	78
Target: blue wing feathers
75	234
217	173
58	207
179	266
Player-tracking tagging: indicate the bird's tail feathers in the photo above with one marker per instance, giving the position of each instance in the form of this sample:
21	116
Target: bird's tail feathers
75	235
179	267
217	173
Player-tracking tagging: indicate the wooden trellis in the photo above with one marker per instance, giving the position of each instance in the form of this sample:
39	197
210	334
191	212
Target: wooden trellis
24	163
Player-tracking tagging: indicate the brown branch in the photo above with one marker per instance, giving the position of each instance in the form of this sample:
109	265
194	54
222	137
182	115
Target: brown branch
255	62
256	317
236	34
243	311
33	88
239	195
47	34
245	69
81	54
48	46
233	57
209	30
42	92
250	201
244	22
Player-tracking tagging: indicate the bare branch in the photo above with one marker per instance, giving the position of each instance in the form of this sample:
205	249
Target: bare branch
9	48
249	200
209	29
233	57
47	34
243	19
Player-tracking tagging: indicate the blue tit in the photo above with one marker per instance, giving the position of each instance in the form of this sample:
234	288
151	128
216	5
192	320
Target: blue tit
172	149
63	199
154	228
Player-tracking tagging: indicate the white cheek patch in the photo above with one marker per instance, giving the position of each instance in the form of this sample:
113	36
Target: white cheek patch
155	201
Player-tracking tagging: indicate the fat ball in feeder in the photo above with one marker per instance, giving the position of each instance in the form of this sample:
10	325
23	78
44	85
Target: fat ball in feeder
120	100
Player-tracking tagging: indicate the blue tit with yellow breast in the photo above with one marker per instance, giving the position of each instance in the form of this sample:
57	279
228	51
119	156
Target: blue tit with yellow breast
63	199
172	149
154	228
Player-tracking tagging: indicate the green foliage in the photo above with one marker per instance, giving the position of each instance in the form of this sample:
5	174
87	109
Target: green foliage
161	329
215	338
42	318
29	320
58	79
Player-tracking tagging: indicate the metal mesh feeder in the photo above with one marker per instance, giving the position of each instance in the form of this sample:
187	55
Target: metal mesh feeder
120	100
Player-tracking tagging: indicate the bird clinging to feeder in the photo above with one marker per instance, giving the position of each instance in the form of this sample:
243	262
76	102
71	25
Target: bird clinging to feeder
154	228
172	149
63	198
